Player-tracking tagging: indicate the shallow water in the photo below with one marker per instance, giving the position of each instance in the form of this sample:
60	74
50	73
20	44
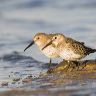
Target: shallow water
20	20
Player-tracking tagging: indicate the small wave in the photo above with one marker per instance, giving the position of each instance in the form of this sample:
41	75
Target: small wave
19	60
80	4
1	45
32	4
15	57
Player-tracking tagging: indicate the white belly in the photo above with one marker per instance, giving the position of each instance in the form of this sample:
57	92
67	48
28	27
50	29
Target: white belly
50	52
69	55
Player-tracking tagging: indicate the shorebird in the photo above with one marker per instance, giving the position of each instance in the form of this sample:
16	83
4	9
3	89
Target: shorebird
68	48
41	39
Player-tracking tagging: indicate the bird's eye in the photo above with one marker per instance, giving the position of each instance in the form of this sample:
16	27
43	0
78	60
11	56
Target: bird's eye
38	37
55	37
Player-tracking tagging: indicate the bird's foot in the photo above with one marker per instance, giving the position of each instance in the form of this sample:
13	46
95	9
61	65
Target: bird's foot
67	66
76	65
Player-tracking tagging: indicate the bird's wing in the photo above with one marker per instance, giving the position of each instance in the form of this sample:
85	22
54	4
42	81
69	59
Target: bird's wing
72	40
78	47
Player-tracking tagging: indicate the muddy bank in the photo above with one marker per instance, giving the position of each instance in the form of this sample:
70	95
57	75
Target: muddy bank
81	66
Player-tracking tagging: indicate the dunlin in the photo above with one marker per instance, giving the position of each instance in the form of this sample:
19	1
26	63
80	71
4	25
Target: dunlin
41	39
68	48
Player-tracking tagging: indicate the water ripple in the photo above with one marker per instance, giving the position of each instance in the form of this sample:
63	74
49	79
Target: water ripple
16	57
32	4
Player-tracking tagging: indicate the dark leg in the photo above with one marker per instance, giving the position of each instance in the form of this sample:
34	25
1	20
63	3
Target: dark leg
68	66
73	65
50	62
77	64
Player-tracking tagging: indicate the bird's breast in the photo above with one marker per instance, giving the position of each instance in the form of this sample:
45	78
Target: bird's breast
50	52
69	54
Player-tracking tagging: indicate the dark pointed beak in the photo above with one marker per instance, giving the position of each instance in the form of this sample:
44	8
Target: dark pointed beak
29	45
47	45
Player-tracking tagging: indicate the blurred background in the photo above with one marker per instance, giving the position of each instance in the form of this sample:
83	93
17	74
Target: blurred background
20	20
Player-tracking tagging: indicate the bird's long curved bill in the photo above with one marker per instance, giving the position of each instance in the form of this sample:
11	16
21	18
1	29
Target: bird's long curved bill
47	45
29	45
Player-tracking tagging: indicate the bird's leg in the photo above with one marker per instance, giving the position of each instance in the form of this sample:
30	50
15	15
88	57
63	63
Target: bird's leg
69	63
50	62
84	64
77	64
67	67
73	65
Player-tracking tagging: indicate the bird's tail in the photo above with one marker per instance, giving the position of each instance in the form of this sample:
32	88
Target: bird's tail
92	50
